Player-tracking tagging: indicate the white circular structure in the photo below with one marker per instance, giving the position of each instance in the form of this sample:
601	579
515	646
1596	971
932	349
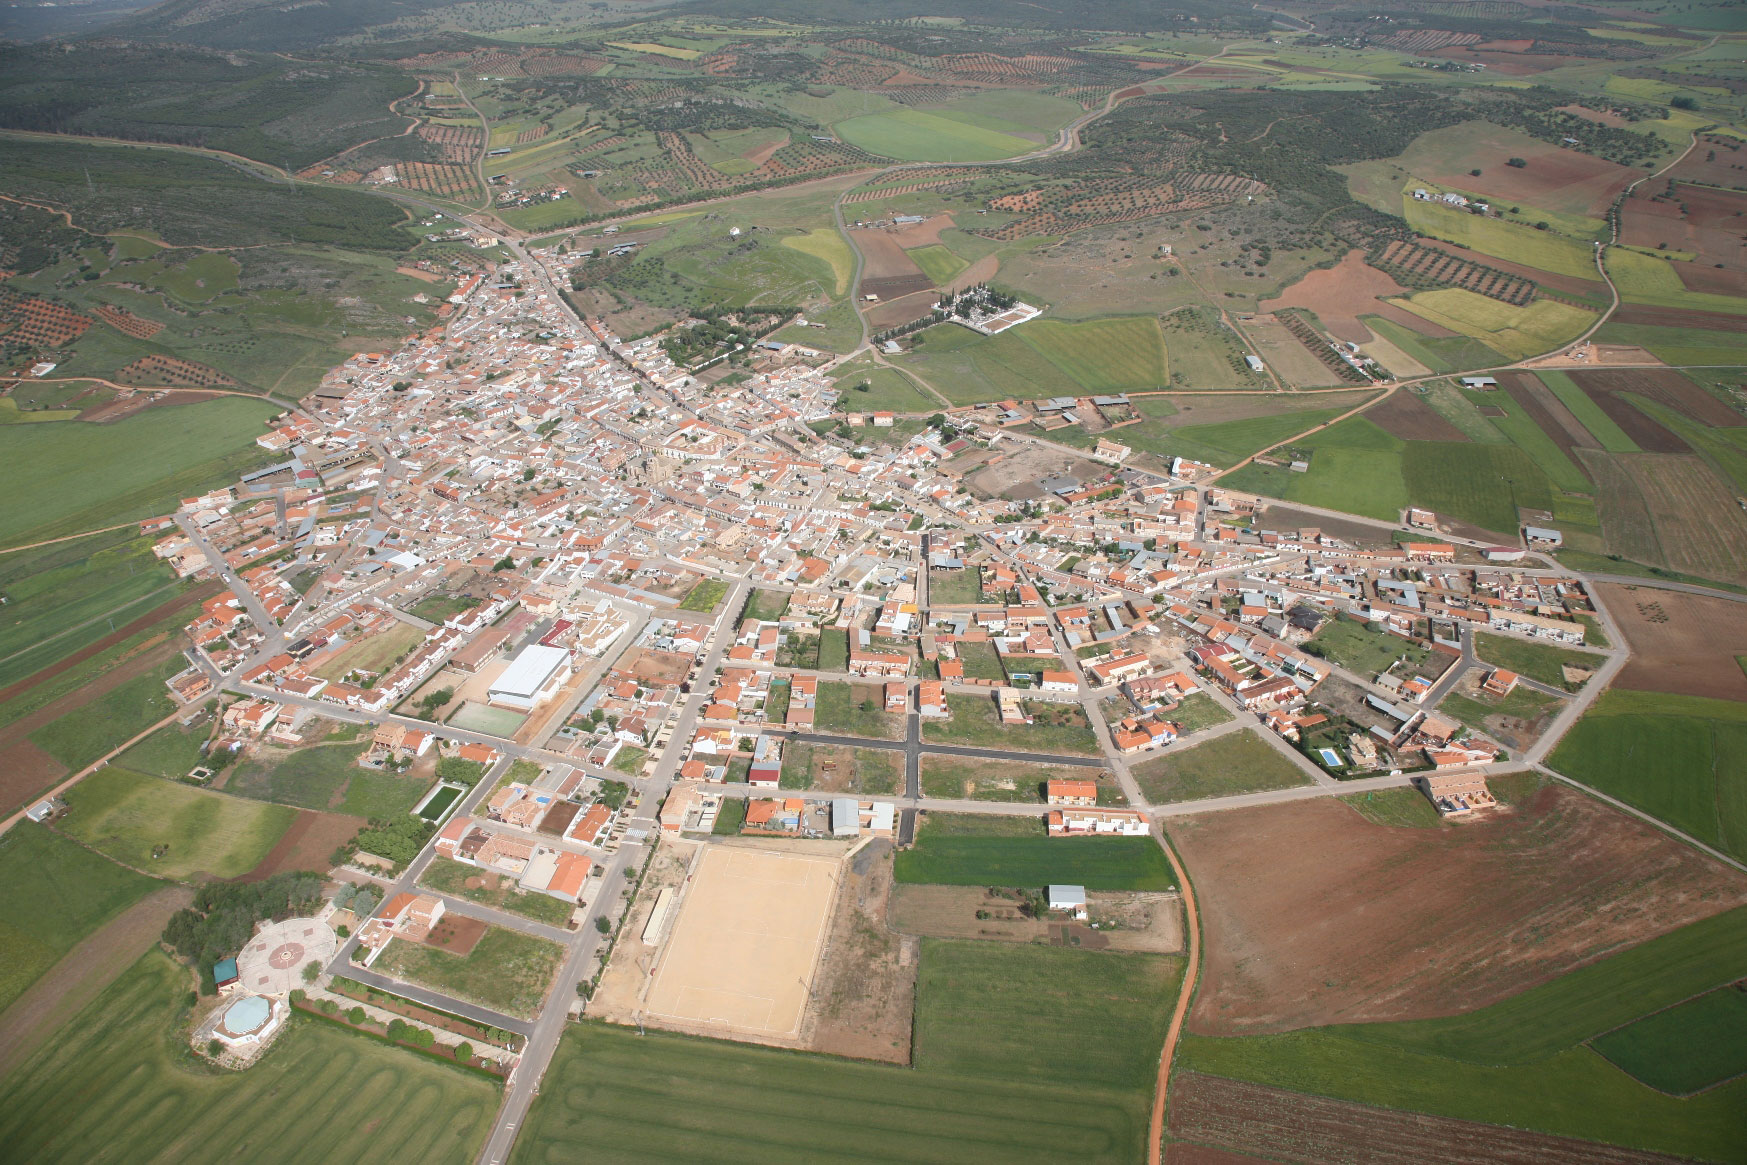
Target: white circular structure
273	961
252	1019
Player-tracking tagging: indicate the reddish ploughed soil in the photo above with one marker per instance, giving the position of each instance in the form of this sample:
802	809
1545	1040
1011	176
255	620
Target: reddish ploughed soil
1448	919
1181	1154
1718	161
889	272
1407	416
1710	223
924	233
1340	294
1680	643
308	845
1278	1125
1662	385
456	934
1557	178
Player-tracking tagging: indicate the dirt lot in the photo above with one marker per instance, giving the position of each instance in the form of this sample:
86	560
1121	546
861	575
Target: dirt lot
1409	417
1278	1125
1451	918
1514	733
654	667
1680	643
1287	355
308	845
619	993
1126	921
923	234
1692	219
1015	476
456	934
84	972
864	995
1338	295
889	272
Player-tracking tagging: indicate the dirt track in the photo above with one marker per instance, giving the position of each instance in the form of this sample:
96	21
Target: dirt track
1449	918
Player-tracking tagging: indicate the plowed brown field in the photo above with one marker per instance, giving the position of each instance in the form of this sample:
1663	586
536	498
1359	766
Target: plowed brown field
1340	294
1680	643
1449	918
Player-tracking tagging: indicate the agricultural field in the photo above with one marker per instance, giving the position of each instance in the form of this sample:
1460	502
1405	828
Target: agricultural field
507	970
1691	1046
1238	762
1554	180
60	893
1522	245
1042	358
169	829
120	1074
151	461
960	850
887	390
325	776
961	131
1458	915
1681	759
1513	332
1685	644
1528	1061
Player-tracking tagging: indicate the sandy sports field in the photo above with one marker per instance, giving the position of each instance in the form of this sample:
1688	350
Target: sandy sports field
743	952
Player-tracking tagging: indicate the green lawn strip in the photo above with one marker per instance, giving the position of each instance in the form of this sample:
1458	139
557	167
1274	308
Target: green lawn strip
704	596
507	971
1601	426
766	605
57	893
1198	710
1238	762
1360	648
981	661
1681	759
1690	1046
452	878
629	760
833	650
127	815
172	751
121	1074
1520	1062
1057	728
729	817
1401	807
962	850
854	709
1538	661
614	1094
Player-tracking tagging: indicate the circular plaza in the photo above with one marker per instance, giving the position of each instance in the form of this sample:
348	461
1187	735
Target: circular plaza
272	963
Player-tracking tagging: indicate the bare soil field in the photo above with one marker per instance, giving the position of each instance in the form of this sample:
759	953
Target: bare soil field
83	972
1339	294
1287	355
1559	180
456	934
1718	161
1711	280
924	233
1210	408
1694	218
889	273
1680	643
1664	386
894	311
619	993
1278	1125
1180	1153
864	998
1276	516
1506	62
1699	525
1409	417
1451	918
308	845
1625	519
657	667
1676	317
1412	322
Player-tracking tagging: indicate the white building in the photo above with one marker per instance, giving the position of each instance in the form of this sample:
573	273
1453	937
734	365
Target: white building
535	674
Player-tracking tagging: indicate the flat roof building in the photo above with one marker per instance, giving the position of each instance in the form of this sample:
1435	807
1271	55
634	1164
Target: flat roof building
535	674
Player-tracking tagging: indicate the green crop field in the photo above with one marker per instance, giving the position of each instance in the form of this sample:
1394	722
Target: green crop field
1023	1054
1057	728
1439	353
121	1075
1106	355
914	135
938	263
84	734
1680	346
888	390
963	585
1358	648
1523	1062
1518	244
826	244
958	850
1690	1046
1681	759
150	462
1648	279
1354	466
57	893
202	833
1407	808
508	971
1527	435
1482	484
1583	407
1025	1013
1513	332
1538	661
1238	762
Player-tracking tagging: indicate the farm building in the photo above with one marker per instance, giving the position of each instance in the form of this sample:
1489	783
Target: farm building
1068	900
